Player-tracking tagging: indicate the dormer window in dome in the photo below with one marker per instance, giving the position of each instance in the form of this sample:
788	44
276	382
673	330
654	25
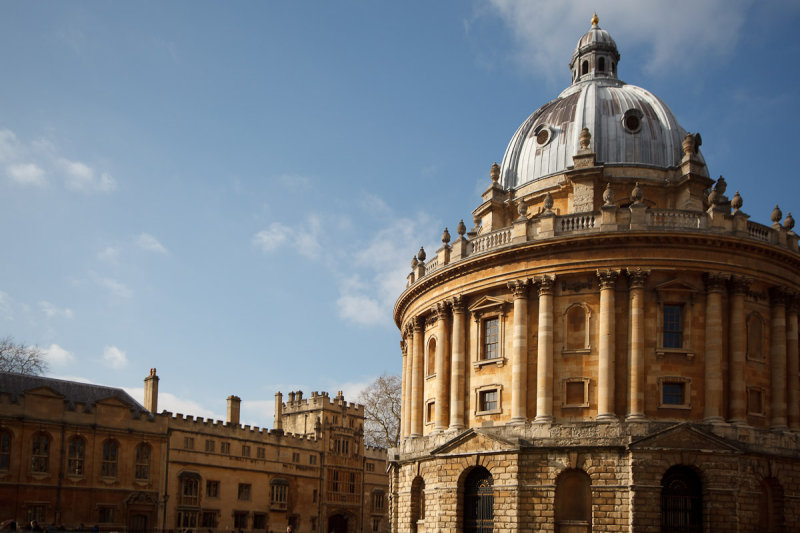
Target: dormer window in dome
632	120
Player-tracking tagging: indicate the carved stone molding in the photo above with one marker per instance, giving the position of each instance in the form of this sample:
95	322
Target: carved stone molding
442	310
715	281
545	282
637	277
519	288
607	278
740	284
778	296
418	323
458	304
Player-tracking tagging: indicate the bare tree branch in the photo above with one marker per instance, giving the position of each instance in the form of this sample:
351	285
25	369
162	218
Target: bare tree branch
21	359
381	400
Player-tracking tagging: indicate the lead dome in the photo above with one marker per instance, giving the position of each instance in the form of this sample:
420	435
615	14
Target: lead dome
630	126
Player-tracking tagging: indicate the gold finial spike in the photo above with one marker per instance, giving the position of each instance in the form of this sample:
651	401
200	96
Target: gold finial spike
595	19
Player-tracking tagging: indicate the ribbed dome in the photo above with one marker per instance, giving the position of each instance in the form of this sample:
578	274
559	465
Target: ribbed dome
629	125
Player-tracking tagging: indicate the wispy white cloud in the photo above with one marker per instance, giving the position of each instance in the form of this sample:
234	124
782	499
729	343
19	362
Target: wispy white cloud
81	177
109	254
27	174
52	311
115	287
6	312
304	238
273	237
145	241
175	404
58	356
114	357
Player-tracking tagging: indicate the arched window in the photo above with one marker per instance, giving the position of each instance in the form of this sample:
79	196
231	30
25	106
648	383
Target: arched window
576	328
108	468
681	501
76	450
601	64
573	504
417	502
430	364
585	67
189	489
755	337
479	501
143	461
5	450
40	453
771	519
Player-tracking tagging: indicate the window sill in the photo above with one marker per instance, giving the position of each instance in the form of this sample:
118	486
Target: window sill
497	411
499	361
676	406
661	352
575	406
580	351
759	360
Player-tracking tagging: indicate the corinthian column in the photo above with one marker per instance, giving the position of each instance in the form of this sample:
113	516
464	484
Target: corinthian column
519	362
403	388
544	358
793	365
416	378
636	280
605	374
457	369
777	358
737	347
442	413
712	384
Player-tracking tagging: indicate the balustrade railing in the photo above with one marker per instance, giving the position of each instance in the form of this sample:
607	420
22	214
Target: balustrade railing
575	223
758	231
673	218
491	240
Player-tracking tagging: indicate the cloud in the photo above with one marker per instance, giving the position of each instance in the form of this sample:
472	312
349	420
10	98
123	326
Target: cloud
545	32
304	239
58	356
51	311
175	404
356	305
114	357
27	174
5	307
270	239
109	254
115	287
9	145
145	241
259	413
81	177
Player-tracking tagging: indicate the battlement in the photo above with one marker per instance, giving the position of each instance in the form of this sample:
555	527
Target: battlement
320	401
220	429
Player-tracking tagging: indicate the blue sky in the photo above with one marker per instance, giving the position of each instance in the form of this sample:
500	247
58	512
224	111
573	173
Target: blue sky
232	192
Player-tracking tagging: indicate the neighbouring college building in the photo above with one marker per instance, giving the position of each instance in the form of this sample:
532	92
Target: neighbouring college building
77	454
612	347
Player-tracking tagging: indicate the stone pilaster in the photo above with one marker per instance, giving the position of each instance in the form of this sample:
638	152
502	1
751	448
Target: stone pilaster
544	358
605	373
777	358
737	348
417	377
636	281
712	384
403	390
442	414
458	366
792	365
519	361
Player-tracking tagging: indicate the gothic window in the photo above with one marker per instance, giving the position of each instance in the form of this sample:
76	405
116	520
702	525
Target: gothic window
430	364
576	329
479	501
573	505
755	337
771	516
681	501
417	502
40	453
279	492
189	491
5	450
142	461
108	468
76	450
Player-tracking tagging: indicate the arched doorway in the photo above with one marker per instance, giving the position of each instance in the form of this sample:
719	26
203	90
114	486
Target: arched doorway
573	502
337	524
479	501
417	503
770	506
681	501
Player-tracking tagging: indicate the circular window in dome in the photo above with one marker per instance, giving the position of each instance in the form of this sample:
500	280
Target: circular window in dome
632	120
542	133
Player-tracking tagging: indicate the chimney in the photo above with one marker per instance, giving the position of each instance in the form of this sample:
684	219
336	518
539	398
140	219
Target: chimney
234	406
151	392
278	422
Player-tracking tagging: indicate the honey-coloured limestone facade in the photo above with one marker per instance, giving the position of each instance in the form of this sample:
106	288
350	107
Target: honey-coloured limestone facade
613	346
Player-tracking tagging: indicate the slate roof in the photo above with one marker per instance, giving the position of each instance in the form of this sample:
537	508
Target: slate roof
73	392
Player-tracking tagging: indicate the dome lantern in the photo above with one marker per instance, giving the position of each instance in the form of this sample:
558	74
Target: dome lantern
595	56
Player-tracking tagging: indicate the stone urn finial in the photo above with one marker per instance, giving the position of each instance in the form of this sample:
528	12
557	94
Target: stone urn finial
585	138
788	223
414	262
461	229
776	215
736	201
721	186
421	254
494	173
548	202
688	144
446	236
608	195
522	208
636	194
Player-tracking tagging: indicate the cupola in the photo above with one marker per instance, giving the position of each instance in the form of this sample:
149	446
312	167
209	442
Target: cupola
595	56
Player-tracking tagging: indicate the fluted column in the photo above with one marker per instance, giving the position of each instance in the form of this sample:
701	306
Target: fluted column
403	388
442	414
636	280
712	385
544	357
777	359
605	374
737	348
458	368
793	365
416	378
519	361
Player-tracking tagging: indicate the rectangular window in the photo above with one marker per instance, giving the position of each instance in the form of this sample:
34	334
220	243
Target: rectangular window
295	457
312	459
212	489
210	446
189	492
187	519
488	400
240	519
5	450
142	462
351	486
673	393
491	328
188	443
209	519
335	481
260	453
279	492
244	491
755	402
225	447
259	521
313	523
377	501
40	456
105	515
430	412
314	496
245	451
76	454
376	524
673	326
108	468
36	512
370	467
575	392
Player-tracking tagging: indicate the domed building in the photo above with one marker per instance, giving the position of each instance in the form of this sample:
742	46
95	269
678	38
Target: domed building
612	347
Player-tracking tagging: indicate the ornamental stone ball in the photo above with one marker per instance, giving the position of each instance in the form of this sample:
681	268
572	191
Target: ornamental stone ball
461	229
445	236
788	223
777	214
421	254
494	173
736	201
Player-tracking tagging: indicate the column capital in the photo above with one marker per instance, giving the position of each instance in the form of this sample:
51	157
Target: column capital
418	324
715	281
607	278
442	310
403	347
546	282
740	284
792	302
458	304
519	288
778	296
637	277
